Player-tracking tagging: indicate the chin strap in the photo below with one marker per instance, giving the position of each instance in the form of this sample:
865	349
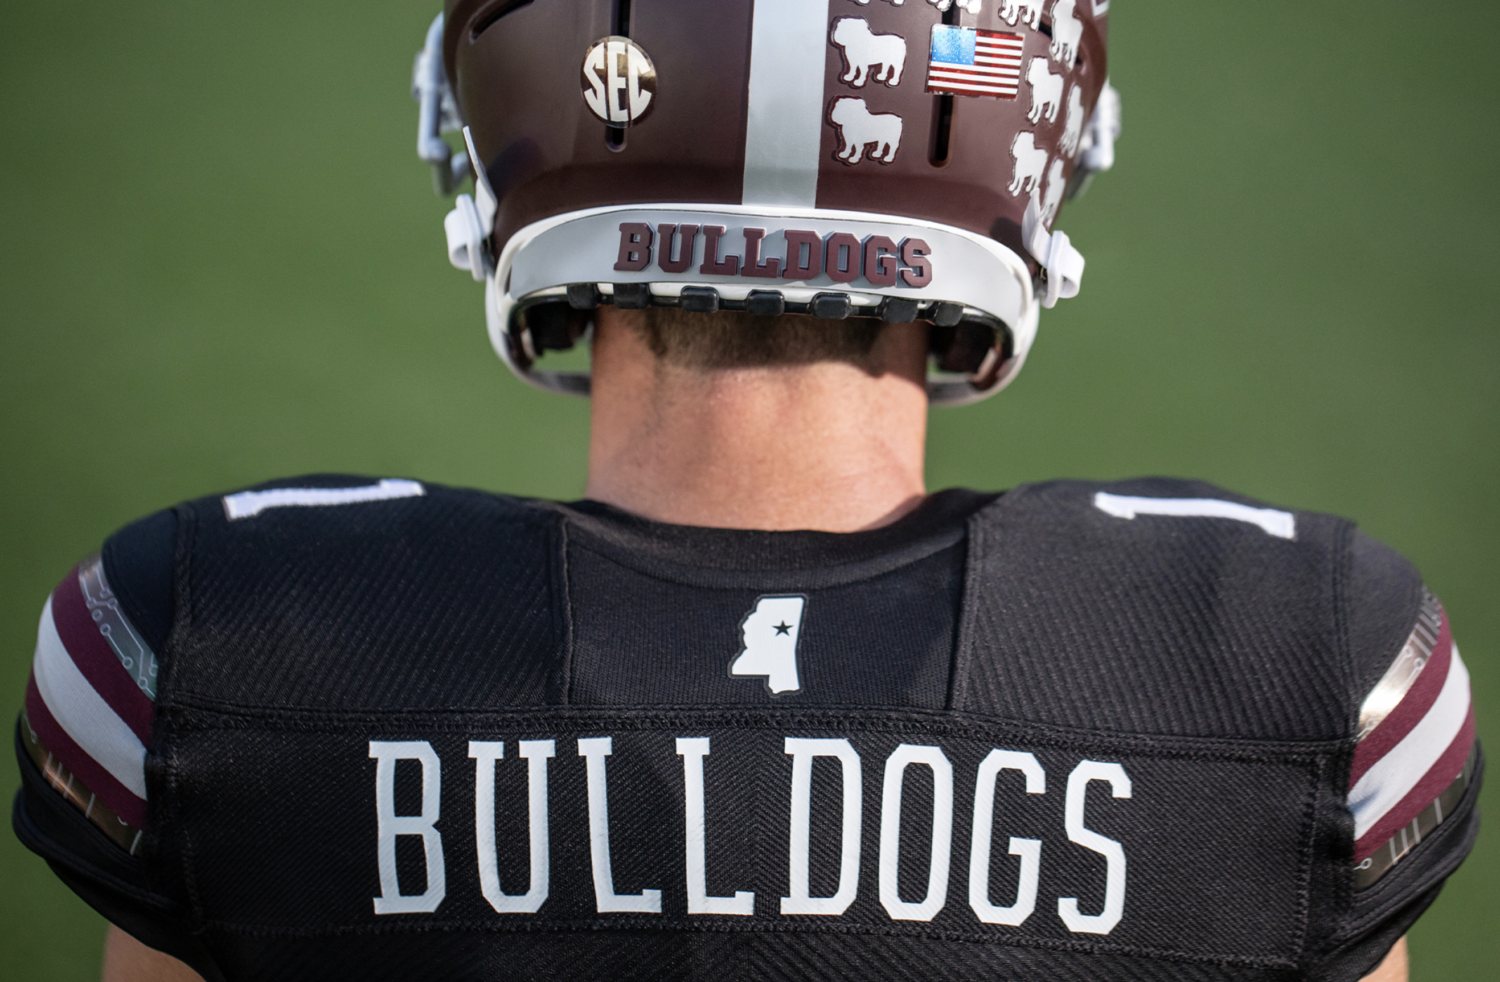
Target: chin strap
471	222
1063	263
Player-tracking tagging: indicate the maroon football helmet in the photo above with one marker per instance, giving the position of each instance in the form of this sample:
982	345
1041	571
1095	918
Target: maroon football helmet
902	159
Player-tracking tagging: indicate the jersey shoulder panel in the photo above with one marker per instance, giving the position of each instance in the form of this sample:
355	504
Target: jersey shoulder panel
1414	775
1385	601
1157	606
343	592
139	564
1178	609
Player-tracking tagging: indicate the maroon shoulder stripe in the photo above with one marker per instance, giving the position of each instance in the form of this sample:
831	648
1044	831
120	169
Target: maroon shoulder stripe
1410	710
96	659
1437	779
119	798
1369	870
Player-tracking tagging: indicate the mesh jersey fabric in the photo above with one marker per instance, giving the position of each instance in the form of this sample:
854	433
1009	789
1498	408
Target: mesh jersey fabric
1159	714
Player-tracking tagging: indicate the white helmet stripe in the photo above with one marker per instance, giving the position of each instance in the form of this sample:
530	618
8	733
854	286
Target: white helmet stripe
784	129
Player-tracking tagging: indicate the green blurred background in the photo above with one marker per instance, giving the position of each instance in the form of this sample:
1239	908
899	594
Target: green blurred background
221	262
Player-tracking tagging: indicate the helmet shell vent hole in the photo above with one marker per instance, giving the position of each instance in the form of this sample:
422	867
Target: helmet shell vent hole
942	116
942	126
488	18
614	136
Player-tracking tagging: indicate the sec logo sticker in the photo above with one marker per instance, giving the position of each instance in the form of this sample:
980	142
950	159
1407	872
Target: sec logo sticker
619	81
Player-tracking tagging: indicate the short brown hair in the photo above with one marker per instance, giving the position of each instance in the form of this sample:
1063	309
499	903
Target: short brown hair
735	339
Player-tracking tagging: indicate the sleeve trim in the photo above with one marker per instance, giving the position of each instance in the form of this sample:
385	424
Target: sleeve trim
126	803
77	792
1370	868
1431	752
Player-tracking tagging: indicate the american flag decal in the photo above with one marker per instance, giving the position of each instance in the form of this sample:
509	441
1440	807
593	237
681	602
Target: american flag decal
968	61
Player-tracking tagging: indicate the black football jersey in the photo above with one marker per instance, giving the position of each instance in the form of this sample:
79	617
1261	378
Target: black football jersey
342	728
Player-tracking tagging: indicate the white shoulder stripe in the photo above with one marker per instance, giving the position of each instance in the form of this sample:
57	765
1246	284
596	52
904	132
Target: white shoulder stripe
1393	776
82	712
248	504
1282	524
784	114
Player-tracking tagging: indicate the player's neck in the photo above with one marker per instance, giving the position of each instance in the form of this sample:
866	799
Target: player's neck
827	446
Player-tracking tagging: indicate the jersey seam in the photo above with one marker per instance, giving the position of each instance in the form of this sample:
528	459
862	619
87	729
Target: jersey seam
1339	575
963	649
1306	862
820	577
564	617
182	619
1302	756
1340	572
637	924
182	595
832	717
